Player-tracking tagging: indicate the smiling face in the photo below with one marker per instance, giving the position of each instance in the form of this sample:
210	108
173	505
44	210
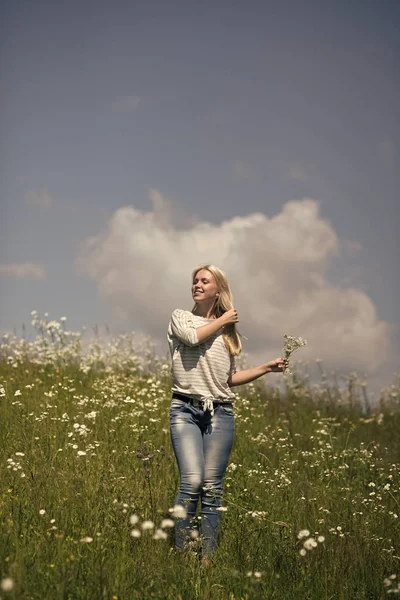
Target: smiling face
204	287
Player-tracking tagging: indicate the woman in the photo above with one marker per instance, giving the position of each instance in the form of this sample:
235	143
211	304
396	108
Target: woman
203	345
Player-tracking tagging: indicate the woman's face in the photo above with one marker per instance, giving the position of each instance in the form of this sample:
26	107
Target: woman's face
204	287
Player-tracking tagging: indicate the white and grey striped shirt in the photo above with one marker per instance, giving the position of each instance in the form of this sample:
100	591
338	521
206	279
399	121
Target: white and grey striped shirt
198	369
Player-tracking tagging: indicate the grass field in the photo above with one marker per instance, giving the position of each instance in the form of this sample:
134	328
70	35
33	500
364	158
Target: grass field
88	478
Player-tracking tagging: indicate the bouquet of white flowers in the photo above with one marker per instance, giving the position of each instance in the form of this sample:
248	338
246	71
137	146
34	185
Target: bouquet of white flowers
290	345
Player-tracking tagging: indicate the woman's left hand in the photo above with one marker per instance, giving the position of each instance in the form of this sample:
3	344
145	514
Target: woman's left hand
277	365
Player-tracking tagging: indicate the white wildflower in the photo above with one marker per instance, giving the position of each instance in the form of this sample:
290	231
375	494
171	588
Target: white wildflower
290	345
178	511
7	584
135	533
310	543
160	535
303	533
133	519
165	523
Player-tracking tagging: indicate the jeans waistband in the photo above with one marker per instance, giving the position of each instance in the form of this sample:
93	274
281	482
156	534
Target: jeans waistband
195	401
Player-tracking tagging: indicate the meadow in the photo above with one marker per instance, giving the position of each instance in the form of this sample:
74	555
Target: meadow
88	482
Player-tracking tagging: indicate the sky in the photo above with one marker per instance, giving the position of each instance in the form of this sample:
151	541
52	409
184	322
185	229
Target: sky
141	139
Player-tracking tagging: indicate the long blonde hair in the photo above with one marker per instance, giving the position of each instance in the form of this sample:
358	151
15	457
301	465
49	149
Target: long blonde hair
224	302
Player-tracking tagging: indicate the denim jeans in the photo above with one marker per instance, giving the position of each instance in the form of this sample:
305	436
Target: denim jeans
202	444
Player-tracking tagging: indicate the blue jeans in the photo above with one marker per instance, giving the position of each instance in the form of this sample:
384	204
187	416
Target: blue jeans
202	444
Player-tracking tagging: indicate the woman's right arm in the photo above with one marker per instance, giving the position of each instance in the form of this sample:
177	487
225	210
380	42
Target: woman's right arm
184	329
206	331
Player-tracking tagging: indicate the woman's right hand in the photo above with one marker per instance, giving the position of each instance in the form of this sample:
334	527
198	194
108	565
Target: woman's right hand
230	316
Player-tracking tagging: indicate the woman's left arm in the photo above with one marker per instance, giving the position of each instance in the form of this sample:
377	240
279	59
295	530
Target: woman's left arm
242	377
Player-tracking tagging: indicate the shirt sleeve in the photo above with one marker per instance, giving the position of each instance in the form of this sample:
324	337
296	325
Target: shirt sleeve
183	327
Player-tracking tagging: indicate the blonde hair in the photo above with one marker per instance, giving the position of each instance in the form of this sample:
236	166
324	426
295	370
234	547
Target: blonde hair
224	302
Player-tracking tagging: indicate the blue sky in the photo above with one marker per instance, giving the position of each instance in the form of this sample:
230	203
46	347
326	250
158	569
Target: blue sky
226	110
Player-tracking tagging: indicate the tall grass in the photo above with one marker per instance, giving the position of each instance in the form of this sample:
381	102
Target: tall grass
86	453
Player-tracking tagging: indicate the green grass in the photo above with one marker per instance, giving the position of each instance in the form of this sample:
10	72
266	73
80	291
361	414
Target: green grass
300	462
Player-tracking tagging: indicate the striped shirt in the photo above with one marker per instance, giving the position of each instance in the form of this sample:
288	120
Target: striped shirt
199	369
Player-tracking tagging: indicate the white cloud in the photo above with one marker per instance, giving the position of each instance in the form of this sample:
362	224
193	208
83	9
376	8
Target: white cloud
168	211
277	270
41	198
23	271
125	104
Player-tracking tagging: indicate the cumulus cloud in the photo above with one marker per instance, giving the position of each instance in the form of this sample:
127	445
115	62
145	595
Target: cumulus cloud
40	199
277	268
23	271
